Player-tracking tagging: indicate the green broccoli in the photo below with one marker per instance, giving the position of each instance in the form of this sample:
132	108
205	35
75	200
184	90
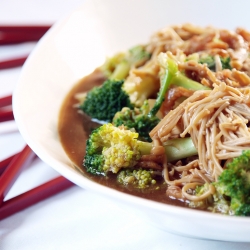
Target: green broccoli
142	84
139	178
118	66
104	101
138	119
110	149
210	61
204	203
171	75
110	64
225	62
215	202
234	183
232	189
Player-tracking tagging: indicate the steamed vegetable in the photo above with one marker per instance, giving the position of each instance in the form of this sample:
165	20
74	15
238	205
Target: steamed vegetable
104	101
171	75
110	149
137	119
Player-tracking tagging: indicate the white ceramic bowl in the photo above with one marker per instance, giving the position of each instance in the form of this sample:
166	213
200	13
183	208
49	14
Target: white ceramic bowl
73	48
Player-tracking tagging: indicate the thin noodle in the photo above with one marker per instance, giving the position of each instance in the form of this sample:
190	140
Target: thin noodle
188	186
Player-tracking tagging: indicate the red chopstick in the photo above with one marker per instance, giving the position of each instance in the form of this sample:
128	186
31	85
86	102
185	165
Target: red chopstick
18	34
6	115
4	163
18	37
5	101
33	196
17	164
11	63
25	28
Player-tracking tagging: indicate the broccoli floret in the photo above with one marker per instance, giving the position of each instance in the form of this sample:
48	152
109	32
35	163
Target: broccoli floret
118	66
215	202
210	61
139	178
142	84
171	75
138	119
234	183
231	193
104	101
204	203
110	148
94	163
225	62
110	64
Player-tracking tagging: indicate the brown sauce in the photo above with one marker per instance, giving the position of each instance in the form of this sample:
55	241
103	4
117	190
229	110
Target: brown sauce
74	129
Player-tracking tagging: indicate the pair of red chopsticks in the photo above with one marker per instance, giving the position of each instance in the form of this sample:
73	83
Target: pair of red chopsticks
11	167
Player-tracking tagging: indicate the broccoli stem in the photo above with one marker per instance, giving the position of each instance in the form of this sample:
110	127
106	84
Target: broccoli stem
121	71
180	148
175	149
172	75
165	84
181	80
135	55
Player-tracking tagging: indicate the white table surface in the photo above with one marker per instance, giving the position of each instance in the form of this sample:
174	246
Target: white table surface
75	218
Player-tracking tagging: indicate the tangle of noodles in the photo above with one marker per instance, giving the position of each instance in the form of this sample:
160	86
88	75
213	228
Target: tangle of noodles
217	122
216	119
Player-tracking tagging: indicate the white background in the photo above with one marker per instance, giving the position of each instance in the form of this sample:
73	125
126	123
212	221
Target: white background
75	218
